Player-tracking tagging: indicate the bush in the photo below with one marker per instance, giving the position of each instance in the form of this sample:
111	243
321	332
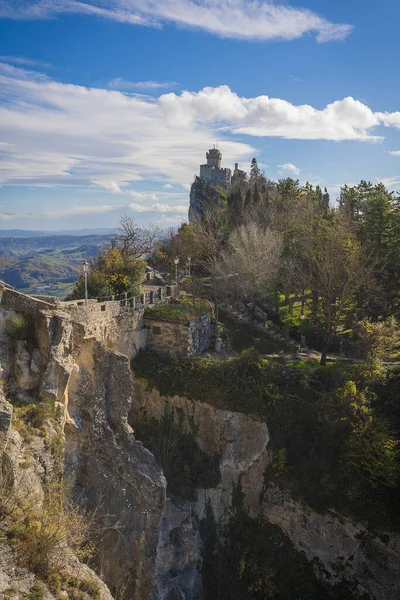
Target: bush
29	419
20	328
39	531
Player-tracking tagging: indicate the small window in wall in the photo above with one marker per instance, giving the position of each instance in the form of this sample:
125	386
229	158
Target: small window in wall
156	330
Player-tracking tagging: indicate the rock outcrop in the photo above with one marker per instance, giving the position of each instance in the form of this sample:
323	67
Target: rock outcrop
203	195
345	549
239	440
108	471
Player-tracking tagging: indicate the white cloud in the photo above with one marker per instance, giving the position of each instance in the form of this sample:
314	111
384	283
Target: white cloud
161	208
142	195
64	134
289	168
168	186
122	84
242	19
394	152
56	134
262	116
390	119
24	62
67	212
389	181
111	186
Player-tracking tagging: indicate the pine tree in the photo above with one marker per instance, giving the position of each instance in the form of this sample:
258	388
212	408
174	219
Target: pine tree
255	172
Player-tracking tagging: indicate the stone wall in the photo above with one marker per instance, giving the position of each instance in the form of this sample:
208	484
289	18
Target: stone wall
118	327
12	300
180	339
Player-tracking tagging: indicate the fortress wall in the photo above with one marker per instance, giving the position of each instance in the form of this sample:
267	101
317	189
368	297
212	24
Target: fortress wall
16	301
118	327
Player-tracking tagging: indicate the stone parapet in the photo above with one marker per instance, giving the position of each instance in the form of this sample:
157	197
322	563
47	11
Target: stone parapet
12	300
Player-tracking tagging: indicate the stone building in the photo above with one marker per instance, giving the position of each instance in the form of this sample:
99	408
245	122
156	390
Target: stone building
213	172
238	177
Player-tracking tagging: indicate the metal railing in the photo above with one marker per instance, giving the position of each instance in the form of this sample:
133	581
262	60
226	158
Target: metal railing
127	300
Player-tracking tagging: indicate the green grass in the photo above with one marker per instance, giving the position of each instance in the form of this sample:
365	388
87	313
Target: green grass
179	312
240	336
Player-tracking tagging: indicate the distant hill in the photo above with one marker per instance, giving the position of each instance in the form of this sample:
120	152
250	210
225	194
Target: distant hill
25	233
48	263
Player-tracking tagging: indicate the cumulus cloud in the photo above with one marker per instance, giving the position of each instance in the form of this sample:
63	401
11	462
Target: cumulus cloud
262	116
289	168
242	19
394	152
168	186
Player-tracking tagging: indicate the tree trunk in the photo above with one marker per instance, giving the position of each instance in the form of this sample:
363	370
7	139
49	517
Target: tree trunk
324	355
314	307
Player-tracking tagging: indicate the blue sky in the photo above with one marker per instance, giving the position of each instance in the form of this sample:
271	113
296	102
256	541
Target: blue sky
107	107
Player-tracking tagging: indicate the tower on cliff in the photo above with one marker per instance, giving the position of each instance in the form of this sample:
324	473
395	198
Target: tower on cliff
212	170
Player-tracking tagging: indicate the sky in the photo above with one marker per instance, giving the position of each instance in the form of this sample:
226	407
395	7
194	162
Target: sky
107	107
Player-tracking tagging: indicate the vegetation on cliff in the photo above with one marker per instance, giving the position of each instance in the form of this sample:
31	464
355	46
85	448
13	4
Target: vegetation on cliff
333	267
186	467
180	311
251	559
335	430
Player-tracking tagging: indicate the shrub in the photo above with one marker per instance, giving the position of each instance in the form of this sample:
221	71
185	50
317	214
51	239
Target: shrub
29	419
20	328
40	532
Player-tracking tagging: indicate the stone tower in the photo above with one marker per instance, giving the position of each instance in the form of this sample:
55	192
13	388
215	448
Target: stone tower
213	172
214	157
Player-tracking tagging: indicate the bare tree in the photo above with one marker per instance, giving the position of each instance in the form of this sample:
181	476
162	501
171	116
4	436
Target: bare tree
133	241
248	266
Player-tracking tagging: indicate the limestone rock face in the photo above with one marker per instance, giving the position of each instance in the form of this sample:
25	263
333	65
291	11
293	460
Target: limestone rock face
178	564
111	471
203	195
15	583
344	549
241	442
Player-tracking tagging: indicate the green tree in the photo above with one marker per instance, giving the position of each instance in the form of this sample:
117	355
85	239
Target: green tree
255	172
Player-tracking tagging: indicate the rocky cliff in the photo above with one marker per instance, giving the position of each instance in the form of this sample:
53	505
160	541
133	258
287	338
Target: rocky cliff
96	421
339	549
203	195
108	471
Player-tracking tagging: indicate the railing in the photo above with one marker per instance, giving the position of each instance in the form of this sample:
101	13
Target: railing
126	300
